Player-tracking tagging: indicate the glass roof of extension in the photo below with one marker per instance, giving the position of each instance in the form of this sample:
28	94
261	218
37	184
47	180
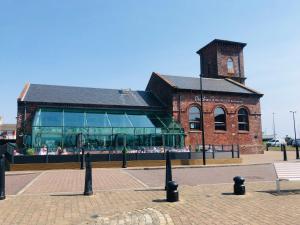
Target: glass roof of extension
104	119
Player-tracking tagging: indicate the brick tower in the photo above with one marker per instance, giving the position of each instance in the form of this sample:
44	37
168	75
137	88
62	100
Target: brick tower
223	59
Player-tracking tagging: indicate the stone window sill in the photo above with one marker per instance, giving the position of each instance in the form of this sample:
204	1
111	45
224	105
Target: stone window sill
220	131
244	132
195	131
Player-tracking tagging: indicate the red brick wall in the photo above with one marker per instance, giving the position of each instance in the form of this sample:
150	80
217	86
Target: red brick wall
236	54
250	141
161	89
214	61
25	116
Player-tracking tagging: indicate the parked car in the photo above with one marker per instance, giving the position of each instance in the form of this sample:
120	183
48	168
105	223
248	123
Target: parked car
297	141
276	142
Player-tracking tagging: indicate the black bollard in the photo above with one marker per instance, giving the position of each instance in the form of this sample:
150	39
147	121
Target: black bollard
124	164
168	170
284	152
88	185
172	193
82	159
2	177
239	187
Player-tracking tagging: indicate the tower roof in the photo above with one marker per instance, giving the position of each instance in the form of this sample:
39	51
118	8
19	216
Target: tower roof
222	42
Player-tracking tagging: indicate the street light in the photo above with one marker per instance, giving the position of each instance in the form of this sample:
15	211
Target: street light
296	144
274	130
202	122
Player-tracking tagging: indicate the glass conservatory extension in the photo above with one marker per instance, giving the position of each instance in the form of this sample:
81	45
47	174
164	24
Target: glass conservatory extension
105	130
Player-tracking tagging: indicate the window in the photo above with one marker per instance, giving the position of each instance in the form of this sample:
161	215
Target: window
220	119
243	119
230	68
194	118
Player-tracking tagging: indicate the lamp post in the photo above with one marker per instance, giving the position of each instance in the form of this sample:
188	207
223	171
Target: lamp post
274	130
202	122
296	144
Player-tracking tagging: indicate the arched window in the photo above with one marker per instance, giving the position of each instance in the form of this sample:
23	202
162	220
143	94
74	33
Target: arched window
230	68
194	118
243	119
220	119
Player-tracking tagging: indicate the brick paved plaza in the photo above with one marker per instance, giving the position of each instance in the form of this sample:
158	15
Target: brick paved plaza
136	196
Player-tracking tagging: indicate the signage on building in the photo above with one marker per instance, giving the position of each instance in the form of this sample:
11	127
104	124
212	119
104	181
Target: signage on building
216	99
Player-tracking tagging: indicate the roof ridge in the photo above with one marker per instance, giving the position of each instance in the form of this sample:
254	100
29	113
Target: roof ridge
68	86
164	79
24	91
243	86
211	78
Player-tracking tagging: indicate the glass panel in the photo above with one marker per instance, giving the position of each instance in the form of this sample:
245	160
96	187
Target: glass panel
121	130
143	131
243	119
97	120
50	118
73	119
49	136
149	130
230	67
140	121
37	118
195	118
119	120
70	136
220	119
99	142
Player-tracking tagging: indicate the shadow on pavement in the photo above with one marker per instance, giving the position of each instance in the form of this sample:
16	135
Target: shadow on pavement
228	193
159	200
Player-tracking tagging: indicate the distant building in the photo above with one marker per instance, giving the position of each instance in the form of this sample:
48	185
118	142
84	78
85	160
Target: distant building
8	132
168	112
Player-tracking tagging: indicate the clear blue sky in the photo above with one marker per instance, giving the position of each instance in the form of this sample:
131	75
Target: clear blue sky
117	44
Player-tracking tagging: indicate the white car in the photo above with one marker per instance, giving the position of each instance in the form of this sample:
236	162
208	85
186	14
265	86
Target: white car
276	142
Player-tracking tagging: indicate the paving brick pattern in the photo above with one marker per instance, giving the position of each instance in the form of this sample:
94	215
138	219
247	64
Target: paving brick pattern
15	182
72	181
212	175
204	204
130	196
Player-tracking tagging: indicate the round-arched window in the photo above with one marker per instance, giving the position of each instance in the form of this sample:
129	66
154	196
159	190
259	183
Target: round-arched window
230	67
220	119
195	118
243	119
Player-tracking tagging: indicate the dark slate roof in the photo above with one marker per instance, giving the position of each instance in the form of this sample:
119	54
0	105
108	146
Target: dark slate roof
208	84
222	42
90	96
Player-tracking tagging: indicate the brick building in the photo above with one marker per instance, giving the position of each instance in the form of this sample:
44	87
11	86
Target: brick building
168	111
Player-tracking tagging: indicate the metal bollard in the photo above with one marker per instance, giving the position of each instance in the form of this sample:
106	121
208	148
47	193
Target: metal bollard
124	164
88	185
239	187
172	193
2	177
232	151
284	152
82	159
168	170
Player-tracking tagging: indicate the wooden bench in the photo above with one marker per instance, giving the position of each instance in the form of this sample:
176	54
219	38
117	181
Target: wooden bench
286	172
